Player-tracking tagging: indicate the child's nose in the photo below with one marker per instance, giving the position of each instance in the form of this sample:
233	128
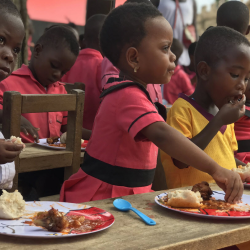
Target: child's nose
172	57
7	55
57	75
242	85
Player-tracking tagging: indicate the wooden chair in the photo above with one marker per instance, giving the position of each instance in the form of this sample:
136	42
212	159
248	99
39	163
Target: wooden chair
76	85
35	157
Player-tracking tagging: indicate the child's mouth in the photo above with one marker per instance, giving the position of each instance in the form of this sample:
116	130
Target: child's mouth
235	99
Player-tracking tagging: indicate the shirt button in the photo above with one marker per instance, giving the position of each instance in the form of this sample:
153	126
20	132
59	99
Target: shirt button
50	121
156	99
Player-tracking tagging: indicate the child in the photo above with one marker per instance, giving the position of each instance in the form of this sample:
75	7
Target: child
109	70
11	44
54	54
190	69
235	15
120	158
180	82
222	59
87	69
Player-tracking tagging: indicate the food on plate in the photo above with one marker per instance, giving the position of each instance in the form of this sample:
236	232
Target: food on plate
204	189
64	137
12	205
56	221
183	198
53	139
244	172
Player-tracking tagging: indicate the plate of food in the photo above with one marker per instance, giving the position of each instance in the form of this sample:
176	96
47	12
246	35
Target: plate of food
57	143
46	219
201	201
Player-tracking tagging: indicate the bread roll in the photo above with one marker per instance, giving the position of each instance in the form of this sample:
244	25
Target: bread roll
244	172
12	205
64	137
16	140
184	198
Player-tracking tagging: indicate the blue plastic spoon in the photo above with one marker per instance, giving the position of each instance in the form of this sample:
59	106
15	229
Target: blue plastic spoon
124	205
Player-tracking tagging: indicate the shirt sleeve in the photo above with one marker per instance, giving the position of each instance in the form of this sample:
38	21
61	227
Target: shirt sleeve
178	118
135	112
7	173
65	113
234	141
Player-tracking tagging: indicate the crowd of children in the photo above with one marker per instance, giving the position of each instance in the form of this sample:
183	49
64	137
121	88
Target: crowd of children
124	59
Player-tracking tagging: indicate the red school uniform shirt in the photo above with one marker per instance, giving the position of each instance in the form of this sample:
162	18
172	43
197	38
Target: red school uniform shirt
24	82
122	157
87	69
110	71
179	83
242	132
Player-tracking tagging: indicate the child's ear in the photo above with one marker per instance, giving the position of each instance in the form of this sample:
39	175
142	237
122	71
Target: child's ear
248	29
203	70
132	58
37	50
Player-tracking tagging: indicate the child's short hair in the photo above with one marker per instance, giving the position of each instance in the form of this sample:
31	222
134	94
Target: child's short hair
125	25
8	7
93	27
191	48
177	48
138	1
59	35
235	15
216	42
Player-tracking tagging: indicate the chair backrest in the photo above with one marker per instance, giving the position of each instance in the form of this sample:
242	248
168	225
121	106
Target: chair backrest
15	104
76	85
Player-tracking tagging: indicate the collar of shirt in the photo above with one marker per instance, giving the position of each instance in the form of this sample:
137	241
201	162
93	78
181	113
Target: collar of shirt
89	51
25	71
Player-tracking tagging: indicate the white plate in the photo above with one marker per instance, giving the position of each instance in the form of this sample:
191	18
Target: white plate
18	228
218	195
43	142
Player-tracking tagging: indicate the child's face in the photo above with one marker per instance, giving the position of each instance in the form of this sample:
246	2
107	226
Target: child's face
155	59
247	93
51	64
11	38
227	80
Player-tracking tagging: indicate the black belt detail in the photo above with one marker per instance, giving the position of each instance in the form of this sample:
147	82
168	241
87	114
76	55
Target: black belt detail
243	146
115	175
160	108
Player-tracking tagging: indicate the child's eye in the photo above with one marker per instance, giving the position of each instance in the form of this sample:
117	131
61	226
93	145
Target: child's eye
17	50
246	80
166	48
53	65
234	75
1	40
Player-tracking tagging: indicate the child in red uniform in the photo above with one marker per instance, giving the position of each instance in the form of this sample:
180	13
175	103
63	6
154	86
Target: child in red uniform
54	54
120	158
109	70
180	82
87	69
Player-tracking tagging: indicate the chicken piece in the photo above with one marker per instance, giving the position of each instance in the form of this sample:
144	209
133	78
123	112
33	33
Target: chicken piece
52	220
204	189
53	139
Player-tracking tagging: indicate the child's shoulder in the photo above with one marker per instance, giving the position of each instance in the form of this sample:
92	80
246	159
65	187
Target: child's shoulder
181	104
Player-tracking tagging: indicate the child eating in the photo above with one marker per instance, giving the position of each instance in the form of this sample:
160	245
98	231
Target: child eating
121	155
206	118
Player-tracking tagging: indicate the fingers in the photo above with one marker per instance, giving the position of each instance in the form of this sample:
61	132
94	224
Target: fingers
13	147
234	190
33	132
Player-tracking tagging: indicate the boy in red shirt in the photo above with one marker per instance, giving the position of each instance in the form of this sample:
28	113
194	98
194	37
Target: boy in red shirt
87	69
180	82
54	54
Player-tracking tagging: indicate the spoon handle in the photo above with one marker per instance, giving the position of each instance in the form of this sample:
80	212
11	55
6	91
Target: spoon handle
144	217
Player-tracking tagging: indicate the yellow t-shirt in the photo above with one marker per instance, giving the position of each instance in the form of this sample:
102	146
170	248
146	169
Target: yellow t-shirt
190	119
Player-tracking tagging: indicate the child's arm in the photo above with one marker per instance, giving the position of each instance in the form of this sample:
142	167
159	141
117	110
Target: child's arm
26	127
85	132
179	147
228	114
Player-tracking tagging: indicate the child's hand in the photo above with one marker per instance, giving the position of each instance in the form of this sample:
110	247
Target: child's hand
9	151
232	112
231	183
28	129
